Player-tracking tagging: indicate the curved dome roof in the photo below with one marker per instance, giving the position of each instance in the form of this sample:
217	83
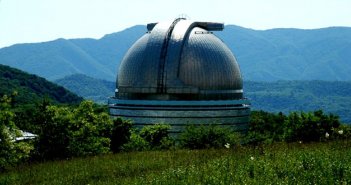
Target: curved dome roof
180	60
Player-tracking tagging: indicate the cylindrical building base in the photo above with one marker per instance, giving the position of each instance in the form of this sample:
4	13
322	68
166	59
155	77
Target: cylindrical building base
232	113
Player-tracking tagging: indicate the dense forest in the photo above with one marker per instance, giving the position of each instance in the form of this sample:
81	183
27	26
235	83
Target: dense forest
287	96
30	88
88	87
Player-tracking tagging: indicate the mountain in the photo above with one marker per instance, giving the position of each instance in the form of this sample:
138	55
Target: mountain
59	58
88	87
31	88
263	55
291	54
280	96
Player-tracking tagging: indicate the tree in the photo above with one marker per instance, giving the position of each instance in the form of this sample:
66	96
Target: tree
54	132
11	151
67	132
121	133
89	132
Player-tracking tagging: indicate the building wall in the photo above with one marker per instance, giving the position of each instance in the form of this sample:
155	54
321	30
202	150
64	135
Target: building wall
178	114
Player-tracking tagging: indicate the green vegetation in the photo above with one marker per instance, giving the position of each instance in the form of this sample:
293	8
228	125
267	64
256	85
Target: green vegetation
282	96
291	54
31	88
287	96
11	153
201	137
88	87
152	137
157	136
267	127
121	133
280	163
66	132
75	145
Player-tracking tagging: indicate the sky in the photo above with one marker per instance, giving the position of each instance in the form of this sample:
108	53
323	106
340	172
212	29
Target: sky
27	21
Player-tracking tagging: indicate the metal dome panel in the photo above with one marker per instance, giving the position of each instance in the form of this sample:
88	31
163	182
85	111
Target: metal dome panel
180	57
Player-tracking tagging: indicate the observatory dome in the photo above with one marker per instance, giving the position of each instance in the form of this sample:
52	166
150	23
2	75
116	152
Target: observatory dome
180	73
180	60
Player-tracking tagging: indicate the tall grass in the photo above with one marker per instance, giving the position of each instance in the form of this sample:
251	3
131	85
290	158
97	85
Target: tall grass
281	163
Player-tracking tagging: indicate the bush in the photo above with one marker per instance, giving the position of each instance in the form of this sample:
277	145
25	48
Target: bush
342	132
153	137
265	127
309	126
121	133
297	126
212	136
157	136
136	143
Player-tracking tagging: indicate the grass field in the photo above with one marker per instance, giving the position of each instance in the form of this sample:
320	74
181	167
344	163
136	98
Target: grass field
281	163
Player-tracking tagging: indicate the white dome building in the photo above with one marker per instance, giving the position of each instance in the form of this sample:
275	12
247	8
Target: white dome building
180	73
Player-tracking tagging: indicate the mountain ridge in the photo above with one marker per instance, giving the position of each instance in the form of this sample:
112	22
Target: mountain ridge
263	55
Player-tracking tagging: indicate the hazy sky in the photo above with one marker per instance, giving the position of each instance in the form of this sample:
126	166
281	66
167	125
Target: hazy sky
24	21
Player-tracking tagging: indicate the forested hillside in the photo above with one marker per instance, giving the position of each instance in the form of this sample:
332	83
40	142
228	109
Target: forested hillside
88	87
281	96
263	55
286	96
31	88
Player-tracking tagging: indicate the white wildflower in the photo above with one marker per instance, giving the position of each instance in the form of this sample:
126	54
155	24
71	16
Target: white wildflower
340	132
252	158
300	142
227	145
326	135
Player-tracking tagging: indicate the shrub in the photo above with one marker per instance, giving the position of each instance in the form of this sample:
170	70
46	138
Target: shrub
157	136
211	136
265	127
121	133
149	137
297	126
309	126
342	132
136	143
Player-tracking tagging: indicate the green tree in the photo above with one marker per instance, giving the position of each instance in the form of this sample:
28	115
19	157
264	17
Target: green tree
89	132
67	132
121	133
11	151
54	132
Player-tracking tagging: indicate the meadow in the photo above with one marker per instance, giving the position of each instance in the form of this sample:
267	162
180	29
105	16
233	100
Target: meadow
279	163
